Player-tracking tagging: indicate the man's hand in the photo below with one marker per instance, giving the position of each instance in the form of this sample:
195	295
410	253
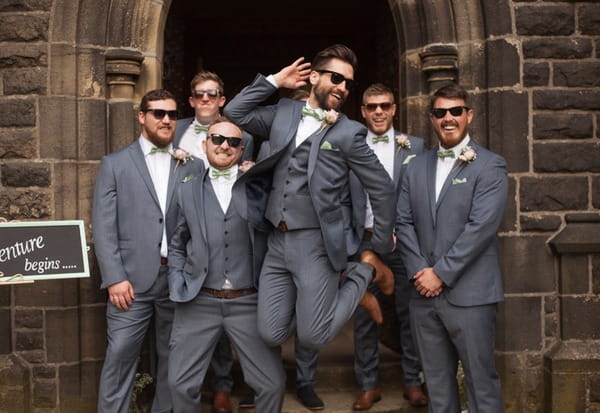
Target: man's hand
294	75
428	283
121	295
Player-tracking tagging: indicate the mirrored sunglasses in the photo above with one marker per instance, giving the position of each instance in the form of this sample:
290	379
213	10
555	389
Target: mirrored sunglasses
211	93
454	111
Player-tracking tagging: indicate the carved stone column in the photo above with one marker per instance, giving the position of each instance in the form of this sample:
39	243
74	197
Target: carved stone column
440	65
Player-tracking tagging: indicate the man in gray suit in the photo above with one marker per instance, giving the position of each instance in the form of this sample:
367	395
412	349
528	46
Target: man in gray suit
312	149
395	150
449	210
214	260
134	216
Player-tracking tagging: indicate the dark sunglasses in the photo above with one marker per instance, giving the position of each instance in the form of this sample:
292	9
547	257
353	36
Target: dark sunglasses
372	107
211	93
219	139
454	111
160	113
336	79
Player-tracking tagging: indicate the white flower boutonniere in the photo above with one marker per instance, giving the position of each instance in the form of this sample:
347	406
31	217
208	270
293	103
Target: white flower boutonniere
467	154
403	142
245	166
181	156
329	118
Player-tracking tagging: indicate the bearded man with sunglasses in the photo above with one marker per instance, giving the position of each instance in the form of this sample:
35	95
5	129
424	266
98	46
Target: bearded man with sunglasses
134	215
449	210
312	148
214	260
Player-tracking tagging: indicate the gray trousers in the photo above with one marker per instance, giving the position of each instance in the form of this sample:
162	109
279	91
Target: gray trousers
125	332
197	327
300	290
446	333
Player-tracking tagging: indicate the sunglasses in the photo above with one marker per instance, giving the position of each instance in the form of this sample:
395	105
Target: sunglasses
211	93
219	139
160	113
372	107
336	79
454	111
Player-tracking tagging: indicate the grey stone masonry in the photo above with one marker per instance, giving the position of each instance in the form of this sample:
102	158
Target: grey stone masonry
548	20
23	28
26	174
536	74
25	5
557	48
589	19
553	193
583	99
540	223
27	55
563	126
577	74
566	157
17	112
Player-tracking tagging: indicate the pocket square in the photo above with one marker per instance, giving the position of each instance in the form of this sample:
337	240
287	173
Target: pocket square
326	146
456	181
408	158
187	179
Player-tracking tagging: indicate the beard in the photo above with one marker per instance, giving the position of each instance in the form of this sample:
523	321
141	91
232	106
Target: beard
159	140
322	94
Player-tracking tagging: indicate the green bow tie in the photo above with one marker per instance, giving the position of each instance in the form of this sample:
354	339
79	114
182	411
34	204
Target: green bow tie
311	112
446	154
383	138
200	128
215	173
156	149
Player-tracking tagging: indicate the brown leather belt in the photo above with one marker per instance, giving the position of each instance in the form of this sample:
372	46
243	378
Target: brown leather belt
229	293
282	226
164	261
368	233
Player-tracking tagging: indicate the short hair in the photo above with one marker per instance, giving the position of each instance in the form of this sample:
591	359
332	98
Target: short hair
156	94
450	91
203	76
377	89
223	119
336	51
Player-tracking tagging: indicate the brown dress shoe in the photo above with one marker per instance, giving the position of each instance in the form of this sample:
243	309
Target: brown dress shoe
366	399
384	277
370	303
221	402
415	396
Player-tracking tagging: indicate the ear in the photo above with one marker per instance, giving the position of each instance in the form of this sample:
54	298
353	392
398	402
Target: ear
363	111
313	77
191	101
141	117
393	110
222	101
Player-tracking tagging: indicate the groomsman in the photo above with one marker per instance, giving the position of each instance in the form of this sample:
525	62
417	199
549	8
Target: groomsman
134	216
215	258
395	150
449	210
312	149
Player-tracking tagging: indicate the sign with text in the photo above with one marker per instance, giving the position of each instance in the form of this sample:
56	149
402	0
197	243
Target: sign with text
43	250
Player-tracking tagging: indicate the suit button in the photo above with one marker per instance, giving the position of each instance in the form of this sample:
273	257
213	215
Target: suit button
285	195
287	182
225	219
226	245
226	258
226	232
285	209
160	220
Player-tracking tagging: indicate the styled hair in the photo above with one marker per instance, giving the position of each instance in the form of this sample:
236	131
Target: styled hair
377	89
223	119
336	51
156	94
205	75
451	91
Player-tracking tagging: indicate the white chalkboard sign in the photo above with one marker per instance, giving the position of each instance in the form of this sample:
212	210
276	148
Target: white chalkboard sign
43	250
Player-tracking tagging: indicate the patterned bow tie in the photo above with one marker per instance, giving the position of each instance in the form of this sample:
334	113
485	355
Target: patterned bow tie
446	154
311	112
200	128
383	138
156	149
215	173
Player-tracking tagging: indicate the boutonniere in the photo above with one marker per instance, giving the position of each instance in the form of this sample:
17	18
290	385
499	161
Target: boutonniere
245	166
467	154
181	156
329	118
402	141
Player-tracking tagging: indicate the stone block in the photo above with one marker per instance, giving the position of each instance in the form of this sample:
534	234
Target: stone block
596	192
23	27
25	5
519	324
122	125
557	48
509	139
93	332
88	29
29	318
550	304
4	297
6	336
566	157
579	318
521	385
43	372
509	221
545	21
595	389
62	335
18	143
26	174
79	386
566	99
48	293
540	223
44	394
553	193
65	181
505	70
580	235
58	120
29	340
497	17
63	71
25	205
26	55
527	265
574	274
13	372
92	73
25	81
551	326
562	126
92	129
85	189
17	112
596	274
536	74
89	288
589	19
577	74
565	392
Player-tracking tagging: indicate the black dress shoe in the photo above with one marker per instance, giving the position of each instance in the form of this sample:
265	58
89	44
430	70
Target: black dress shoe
309	398
248	401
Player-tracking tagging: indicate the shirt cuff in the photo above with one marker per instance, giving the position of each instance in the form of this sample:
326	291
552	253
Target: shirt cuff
271	80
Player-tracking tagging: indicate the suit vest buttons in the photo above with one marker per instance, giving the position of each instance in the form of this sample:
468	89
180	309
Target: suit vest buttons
160	220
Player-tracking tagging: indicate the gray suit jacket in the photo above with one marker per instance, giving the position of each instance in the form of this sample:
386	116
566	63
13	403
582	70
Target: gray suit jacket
189	250
457	235
127	221
336	150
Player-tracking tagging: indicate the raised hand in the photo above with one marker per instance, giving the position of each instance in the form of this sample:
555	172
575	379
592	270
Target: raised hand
294	75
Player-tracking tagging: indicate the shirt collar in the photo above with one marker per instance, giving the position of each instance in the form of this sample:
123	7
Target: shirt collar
458	148
389	133
147	146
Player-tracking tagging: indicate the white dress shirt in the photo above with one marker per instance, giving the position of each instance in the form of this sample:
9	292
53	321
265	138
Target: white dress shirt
222	186
159	166
385	154
191	142
445	165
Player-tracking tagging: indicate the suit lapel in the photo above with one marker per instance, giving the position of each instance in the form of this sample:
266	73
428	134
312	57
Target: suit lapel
456	168
294	114
173	174
198	197
431	171
137	156
399	156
